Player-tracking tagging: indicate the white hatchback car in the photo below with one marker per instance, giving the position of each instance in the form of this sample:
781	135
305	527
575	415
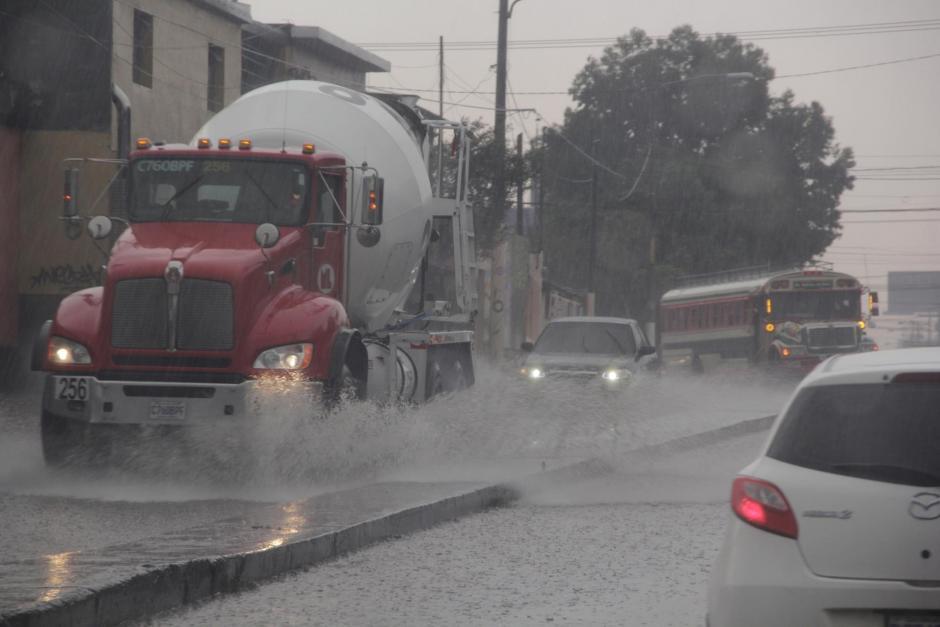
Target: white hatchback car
837	523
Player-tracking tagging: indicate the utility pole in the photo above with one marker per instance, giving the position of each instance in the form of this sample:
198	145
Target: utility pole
541	200
499	121
440	110
592	251
520	188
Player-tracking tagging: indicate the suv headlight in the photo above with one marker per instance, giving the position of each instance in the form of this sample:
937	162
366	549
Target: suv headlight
534	373
63	352
287	357
616	374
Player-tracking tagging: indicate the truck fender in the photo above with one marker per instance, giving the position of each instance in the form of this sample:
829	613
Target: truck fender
348	350
40	346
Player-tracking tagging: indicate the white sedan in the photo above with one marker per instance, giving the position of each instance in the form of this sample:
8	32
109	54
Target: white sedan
837	523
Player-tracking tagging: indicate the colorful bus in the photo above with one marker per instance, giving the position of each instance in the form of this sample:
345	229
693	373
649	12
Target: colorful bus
794	318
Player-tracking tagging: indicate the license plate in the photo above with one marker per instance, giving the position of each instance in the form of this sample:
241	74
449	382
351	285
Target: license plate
913	620
72	388
167	410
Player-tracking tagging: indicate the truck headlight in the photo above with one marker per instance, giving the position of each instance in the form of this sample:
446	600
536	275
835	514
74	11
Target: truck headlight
63	352
287	357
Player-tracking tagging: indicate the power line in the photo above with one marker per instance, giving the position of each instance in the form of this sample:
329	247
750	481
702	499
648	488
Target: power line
786	33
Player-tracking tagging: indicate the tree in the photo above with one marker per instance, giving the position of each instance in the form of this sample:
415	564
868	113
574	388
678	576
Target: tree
696	171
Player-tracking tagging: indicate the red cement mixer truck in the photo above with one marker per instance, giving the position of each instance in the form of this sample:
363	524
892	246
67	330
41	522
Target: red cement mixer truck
277	250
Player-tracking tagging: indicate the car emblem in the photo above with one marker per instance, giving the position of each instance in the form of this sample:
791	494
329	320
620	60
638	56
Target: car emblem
925	506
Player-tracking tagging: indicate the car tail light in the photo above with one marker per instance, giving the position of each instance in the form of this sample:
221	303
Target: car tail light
763	505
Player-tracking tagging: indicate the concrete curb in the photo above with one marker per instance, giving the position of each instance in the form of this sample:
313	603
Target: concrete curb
173	585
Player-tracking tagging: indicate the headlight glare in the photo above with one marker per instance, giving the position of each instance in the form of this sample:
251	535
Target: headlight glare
63	352
536	373
615	374
287	357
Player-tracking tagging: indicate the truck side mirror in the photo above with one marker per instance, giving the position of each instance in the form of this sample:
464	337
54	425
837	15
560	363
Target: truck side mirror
267	235
373	188
527	347
100	227
70	194
873	303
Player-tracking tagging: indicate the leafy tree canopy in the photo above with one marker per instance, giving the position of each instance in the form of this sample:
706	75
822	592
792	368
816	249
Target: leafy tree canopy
701	169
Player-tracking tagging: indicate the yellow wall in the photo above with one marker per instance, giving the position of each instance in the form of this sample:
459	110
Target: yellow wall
49	262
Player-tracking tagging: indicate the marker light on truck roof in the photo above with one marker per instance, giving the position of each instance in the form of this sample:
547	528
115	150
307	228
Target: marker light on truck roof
225	144
144	144
309	149
770	327
244	144
204	143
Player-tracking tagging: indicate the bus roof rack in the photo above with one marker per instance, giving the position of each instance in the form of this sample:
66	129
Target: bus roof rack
745	273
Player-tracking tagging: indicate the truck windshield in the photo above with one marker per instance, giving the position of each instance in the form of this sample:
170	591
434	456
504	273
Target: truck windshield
185	189
838	305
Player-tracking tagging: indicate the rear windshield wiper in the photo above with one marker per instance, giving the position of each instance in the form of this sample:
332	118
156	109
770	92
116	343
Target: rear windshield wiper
889	472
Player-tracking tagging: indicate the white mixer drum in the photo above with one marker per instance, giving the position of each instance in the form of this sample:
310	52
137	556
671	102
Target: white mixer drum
361	129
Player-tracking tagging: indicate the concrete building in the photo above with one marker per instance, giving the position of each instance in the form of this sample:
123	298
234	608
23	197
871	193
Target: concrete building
69	68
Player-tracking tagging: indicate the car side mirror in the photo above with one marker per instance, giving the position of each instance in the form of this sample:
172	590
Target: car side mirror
645	350
527	347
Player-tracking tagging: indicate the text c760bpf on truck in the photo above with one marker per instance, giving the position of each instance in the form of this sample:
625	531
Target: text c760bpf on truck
792	319
280	246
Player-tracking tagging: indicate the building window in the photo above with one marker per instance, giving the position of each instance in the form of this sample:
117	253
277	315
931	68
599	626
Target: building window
143	48
216	98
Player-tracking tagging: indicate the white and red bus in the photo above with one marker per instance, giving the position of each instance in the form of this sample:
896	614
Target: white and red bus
793	318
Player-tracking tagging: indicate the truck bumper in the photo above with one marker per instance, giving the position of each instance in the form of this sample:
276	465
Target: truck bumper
94	401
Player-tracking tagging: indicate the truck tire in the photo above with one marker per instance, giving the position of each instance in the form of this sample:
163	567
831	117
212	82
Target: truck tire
61	439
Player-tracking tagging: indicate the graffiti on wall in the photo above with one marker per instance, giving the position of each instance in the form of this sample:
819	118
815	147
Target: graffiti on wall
66	277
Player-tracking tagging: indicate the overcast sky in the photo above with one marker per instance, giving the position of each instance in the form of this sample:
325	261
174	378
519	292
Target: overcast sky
890	114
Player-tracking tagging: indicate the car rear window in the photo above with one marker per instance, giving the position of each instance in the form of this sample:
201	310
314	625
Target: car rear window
885	432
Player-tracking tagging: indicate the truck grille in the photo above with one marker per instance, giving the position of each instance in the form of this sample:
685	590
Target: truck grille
140	317
832	338
205	316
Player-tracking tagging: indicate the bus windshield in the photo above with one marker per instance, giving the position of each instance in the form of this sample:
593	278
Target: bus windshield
187	189
837	305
